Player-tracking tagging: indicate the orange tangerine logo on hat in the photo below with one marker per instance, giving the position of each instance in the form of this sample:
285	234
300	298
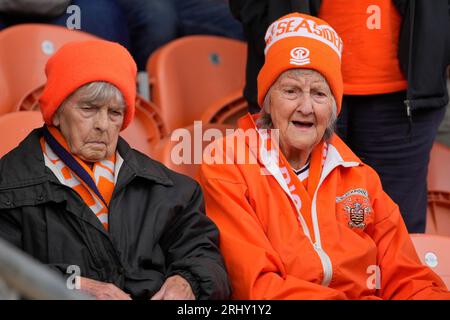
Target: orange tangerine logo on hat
300	56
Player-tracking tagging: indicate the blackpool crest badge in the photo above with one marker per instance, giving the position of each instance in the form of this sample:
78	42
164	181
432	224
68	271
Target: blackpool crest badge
356	206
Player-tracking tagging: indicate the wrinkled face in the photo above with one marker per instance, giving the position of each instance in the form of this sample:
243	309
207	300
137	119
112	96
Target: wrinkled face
91	128
300	105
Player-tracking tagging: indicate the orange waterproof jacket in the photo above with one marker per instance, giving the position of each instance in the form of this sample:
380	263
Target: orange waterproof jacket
351	256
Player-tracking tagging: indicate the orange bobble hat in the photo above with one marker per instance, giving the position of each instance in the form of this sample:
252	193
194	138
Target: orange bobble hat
301	41
78	63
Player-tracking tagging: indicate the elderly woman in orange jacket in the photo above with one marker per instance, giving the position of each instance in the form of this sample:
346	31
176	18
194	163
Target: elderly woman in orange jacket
300	216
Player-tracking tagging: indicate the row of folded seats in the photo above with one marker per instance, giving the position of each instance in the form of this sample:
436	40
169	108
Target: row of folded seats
195	78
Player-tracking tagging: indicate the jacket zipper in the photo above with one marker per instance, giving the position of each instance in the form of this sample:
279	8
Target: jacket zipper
326	265
324	257
408	92
410	121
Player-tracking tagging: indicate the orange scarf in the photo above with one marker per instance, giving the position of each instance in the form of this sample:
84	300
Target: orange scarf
95	186
301	194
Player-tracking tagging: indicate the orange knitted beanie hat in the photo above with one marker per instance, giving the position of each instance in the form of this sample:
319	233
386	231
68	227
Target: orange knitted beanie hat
78	63
301	41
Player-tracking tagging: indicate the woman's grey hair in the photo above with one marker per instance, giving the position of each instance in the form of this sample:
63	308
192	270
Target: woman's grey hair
265	120
98	91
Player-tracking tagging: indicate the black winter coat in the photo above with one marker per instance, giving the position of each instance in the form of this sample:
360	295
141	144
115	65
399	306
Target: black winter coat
157	225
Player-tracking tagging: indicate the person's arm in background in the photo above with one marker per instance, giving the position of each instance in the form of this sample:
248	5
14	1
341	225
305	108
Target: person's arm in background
421	56
42	8
402	274
256	270
253	16
192	253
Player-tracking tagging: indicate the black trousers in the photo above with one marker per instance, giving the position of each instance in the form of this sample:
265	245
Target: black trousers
377	129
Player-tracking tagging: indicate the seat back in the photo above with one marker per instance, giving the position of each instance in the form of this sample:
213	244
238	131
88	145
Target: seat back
182	151
433	251
15	126
439	168
438	211
146	129
191	74
24	51
226	110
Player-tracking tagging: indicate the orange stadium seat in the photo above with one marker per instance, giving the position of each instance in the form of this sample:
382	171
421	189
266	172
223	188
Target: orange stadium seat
198	78
438	212
146	129
24	51
171	146
15	126
226	110
433	251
